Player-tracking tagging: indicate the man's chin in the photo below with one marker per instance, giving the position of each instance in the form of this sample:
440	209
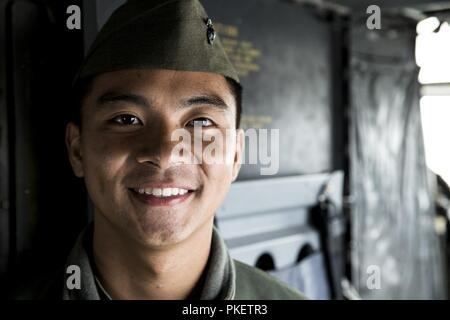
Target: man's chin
164	235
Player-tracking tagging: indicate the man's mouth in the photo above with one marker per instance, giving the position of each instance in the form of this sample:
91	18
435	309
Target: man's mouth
162	192
161	196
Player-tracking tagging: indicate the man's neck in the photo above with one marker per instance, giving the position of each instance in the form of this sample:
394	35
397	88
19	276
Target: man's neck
129	270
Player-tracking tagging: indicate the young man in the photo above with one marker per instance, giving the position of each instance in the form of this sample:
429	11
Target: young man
155	70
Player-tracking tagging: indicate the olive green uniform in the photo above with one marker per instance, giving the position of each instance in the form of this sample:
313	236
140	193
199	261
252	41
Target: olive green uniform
224	278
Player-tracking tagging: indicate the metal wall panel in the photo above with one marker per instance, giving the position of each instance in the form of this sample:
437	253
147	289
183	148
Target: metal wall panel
282	52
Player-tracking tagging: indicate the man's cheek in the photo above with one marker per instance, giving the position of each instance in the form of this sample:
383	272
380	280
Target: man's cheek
102	168
218	176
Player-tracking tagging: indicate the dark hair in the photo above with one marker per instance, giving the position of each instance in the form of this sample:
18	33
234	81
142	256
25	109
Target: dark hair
79	91
83	87
236	90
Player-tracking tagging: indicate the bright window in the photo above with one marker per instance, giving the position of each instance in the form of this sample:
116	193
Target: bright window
435	111
433	57
433	52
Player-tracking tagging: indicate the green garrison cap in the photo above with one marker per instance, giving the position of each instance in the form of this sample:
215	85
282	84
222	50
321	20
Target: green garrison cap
163	34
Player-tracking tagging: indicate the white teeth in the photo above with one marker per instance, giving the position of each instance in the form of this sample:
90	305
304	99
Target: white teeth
157	192
164	192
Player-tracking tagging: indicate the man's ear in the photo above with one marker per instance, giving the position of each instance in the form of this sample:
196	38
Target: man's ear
73	144
240	145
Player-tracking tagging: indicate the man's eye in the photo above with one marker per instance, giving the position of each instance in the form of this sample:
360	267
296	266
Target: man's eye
200	122
127	120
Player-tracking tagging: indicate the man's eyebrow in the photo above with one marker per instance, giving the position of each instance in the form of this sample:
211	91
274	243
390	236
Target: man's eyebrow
111	97
206	99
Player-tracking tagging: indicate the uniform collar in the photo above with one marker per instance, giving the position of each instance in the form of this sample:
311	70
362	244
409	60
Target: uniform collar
220	274
80	256
220	281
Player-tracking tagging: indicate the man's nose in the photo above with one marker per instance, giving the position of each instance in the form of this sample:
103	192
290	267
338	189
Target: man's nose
157	148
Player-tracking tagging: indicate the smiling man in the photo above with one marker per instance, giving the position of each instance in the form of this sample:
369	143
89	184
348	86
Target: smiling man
156	68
